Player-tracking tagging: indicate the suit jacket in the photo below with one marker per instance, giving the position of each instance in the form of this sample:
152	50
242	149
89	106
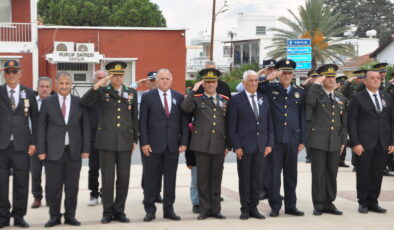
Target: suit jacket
52	129
288	112
245	130
158	130
16	122
327	125
366	125
118	120
210	134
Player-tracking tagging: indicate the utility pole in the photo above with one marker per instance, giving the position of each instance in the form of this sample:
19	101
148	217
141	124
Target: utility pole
212	30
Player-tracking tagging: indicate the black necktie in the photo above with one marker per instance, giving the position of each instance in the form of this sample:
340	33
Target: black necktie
255	111
378	108
12	99
331	98
213	100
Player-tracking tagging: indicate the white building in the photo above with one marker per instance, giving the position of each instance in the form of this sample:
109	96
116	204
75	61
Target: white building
385	52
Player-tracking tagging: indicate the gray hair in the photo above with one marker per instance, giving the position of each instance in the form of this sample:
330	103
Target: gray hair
99	71
44	78
209	63
63	74
247	73
164	71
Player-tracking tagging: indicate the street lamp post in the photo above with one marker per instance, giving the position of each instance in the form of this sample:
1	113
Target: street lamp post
212	30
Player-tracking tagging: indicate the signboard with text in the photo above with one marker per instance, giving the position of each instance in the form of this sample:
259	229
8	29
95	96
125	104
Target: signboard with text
300	51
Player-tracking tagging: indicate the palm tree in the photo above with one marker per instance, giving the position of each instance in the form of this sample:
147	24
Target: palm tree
317	22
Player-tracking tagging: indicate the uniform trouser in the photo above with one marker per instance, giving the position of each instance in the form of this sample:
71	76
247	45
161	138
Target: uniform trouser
157	164
20	162
94	168
209	180
324	178
283	156
250	169
343	155
109	162
63	172
36	172
370	167
143	175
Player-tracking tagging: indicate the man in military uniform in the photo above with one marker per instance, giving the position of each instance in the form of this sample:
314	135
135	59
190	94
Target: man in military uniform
222	88
312	75
326	138
116	138
288	113
209	140
341	80
389	89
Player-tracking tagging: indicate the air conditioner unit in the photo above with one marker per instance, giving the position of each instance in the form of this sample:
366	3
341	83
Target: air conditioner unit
85	47
63	46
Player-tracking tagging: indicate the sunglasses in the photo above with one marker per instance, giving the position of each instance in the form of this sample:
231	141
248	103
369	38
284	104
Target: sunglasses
14	71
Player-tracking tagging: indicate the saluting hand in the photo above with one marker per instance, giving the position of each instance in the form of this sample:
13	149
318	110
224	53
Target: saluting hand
320	79
273	75
197	85
358	150
268	150
239	153
391	149
146	149
102	82
32	150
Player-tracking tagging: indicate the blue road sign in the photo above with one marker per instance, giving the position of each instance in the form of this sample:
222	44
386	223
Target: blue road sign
300	58
299	42
304	65
299	50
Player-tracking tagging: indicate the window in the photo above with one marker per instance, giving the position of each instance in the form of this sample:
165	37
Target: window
261	30
226	51
5	11
72	66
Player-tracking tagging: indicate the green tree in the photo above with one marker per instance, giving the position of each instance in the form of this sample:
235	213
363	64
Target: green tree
319	23
137	13
366	15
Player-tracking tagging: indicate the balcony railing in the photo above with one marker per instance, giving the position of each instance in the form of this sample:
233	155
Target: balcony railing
15	32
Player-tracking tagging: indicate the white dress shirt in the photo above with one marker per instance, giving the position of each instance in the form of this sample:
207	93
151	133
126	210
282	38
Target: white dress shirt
169	98
39	101
16	94
68	104
250	100
371	94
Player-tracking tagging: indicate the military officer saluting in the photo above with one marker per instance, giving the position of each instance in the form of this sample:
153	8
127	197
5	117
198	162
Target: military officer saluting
288	114
350	88
116	138
209	140
326	139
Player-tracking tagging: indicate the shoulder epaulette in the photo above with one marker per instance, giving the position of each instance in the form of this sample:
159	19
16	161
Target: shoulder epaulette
224	97
198	95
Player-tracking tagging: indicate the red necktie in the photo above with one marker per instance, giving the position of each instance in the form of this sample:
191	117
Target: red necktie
166	105
64	107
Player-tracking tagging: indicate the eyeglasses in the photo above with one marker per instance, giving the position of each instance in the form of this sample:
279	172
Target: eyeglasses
8	71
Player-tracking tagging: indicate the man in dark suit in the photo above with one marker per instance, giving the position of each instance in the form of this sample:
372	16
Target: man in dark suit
209	140
163	134
326	137
44	89
371	133
63	139
17	143
288	114
116	138
252	136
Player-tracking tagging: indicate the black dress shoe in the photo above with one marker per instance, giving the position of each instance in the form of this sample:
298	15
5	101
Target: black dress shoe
317	212
72	221
274	213
122	218
218	216
20	222
196	209
256	214
53	222
344	165
333	211
362	209
387	173
149	217
159	199
171	216
202	216
354	169
294	212
244	216
106	219
377	209
308	160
